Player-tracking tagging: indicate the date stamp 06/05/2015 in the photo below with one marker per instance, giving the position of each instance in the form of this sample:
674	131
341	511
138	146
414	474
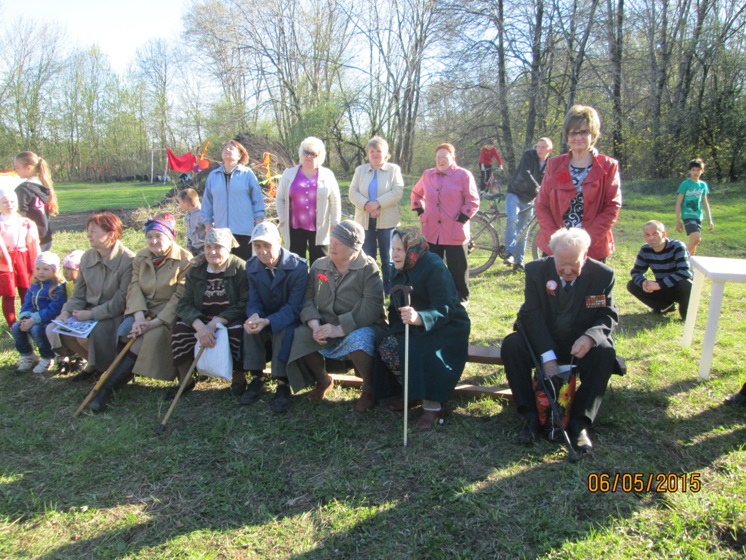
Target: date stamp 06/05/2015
644	482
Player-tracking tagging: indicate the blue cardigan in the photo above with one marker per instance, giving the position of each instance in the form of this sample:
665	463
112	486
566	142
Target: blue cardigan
278	299
39	305
235	206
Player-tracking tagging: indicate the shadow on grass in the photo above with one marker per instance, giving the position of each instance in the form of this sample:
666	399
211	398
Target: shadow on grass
322	481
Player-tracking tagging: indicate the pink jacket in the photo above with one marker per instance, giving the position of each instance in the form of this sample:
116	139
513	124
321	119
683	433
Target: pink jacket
602	200
444	197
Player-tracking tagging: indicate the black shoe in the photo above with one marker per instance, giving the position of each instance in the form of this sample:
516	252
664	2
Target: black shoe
509	260
518	267
253	391
170	393
281	400
580	437
733	400
85	375
238	387
63	366
116	380
530	431
668	309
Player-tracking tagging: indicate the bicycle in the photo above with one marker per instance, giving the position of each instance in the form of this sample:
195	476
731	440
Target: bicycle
485	245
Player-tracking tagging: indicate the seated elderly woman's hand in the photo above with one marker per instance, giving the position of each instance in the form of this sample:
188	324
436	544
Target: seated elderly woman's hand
206	336
409	316
63	317
83	315
324	332
141	327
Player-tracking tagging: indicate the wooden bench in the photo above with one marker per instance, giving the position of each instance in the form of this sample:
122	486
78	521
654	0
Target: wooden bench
489	355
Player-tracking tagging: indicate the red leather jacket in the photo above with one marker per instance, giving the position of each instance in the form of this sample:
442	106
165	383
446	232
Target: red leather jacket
602	200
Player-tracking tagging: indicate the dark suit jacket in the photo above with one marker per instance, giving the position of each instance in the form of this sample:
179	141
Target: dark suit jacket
596	316
278	299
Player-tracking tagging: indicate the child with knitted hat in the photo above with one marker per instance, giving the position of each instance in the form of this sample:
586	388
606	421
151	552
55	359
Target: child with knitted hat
70	267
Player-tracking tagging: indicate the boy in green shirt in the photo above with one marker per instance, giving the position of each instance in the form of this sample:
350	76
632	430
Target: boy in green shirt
692	195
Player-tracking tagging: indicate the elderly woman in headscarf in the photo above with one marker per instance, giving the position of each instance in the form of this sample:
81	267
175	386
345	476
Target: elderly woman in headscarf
158	276
215	293
438	332
342	318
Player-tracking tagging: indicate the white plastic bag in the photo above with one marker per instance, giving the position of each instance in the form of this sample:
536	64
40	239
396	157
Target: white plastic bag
216	361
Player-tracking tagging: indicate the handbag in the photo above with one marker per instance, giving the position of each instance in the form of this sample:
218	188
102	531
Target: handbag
562	389
216	361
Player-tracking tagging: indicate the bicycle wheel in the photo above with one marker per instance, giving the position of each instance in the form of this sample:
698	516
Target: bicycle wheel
483	246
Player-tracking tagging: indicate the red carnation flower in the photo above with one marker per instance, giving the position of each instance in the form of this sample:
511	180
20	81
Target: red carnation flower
322	277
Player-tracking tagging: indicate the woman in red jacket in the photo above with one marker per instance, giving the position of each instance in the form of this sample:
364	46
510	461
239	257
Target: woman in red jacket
581	188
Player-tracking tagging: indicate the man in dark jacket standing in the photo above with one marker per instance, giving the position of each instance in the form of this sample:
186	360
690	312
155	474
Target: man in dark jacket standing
522	191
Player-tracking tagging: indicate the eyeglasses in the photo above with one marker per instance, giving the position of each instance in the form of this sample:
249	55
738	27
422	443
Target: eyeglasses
572	133
309	154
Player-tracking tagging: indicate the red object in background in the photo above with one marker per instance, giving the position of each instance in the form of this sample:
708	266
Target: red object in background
204	163
181	164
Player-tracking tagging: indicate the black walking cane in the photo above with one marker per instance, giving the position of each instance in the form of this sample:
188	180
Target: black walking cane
543	382
406	290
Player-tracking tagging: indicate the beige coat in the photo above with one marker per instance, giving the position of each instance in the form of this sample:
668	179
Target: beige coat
390	191
328	204
156	292
101	287
355	303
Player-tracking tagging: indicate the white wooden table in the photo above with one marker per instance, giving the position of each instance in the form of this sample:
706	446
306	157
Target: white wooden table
719	271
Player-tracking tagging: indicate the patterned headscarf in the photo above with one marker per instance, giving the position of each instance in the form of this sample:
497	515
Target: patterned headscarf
221	236
165	223
414	243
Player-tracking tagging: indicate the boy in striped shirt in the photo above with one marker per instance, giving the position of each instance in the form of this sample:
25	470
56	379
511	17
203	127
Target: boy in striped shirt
669	261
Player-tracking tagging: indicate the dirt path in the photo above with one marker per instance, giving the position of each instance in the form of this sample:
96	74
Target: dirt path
75	221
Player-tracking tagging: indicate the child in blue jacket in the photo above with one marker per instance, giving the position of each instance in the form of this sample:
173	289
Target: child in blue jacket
43	302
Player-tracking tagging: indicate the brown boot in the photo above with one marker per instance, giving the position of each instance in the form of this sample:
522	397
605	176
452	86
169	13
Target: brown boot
319	392
365	402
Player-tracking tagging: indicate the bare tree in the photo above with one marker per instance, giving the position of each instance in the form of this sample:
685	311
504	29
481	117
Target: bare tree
156	68
32	59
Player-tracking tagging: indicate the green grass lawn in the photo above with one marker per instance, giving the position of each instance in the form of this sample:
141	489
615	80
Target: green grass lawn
87	197
324	482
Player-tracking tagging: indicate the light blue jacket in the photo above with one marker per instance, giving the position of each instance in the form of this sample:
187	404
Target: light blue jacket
236	205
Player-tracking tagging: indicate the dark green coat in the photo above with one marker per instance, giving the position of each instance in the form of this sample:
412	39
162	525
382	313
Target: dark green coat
439	348
190	305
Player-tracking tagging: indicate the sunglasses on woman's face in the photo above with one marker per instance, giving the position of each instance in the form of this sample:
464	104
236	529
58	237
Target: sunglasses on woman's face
309	154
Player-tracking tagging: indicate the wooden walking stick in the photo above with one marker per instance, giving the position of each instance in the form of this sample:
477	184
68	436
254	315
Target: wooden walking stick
104	377
182	386
406	290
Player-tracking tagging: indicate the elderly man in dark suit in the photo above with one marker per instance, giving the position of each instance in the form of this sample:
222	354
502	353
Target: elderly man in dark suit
568	313
277	289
